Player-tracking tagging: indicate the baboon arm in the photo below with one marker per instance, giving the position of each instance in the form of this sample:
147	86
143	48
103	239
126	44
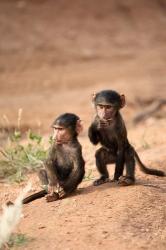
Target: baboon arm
93	134
50	168
52	179
76	174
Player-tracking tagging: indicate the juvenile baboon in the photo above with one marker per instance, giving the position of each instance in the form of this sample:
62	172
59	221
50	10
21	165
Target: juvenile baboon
64	167
108	129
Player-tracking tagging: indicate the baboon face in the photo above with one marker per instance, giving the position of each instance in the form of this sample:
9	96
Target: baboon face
105	112
66	127
61	134
108	103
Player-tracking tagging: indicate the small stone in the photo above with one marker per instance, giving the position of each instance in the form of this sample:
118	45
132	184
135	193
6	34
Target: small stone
41	227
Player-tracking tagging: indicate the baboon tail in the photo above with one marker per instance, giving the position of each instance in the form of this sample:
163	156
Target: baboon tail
148	170
34	196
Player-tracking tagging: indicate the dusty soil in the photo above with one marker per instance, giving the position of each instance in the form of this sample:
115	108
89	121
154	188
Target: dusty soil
53	55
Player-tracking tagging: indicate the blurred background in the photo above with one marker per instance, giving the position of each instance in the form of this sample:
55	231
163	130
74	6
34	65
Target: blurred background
55	53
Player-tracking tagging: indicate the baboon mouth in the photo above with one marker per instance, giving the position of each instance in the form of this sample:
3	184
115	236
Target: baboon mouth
107	119
62	141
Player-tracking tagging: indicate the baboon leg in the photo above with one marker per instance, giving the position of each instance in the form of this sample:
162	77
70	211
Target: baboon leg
42	174
103	157
119	167
44	181
129	179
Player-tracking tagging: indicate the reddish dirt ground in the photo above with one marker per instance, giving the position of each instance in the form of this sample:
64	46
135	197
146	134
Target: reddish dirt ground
53	56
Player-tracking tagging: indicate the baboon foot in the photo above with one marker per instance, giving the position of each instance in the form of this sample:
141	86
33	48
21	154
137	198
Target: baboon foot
101	181
126	181
52	197
114	180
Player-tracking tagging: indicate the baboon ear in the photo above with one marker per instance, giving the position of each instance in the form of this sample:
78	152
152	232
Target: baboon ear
123	101
93	96
79	127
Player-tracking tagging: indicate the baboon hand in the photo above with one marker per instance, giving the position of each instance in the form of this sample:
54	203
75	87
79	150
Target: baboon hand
52	197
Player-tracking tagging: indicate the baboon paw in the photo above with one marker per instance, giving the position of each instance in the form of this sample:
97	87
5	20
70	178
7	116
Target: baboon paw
113	180
126	181
100	181
52	197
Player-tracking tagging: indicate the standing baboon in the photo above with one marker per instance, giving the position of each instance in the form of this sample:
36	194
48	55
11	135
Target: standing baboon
108	129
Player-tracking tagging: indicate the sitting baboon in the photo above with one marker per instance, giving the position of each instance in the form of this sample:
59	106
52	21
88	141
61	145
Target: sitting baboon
64	167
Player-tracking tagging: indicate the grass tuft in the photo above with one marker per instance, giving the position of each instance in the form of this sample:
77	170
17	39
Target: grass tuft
18	240
89	176
17	158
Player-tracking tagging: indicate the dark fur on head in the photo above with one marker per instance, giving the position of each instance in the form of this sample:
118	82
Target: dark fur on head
67	120
108	97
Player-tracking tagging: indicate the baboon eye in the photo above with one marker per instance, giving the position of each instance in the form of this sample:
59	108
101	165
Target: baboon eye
58	128
101	106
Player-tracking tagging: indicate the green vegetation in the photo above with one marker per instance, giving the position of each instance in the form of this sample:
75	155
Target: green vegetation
20	157
17	158
89	176
18	240
144	143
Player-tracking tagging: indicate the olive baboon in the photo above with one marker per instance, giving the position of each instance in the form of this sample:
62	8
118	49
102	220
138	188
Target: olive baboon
108	129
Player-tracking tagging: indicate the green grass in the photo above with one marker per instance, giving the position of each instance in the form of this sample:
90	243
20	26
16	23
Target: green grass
144	143
18	240
89	176
17	158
